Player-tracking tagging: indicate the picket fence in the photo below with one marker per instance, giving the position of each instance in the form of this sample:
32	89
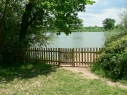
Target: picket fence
62	56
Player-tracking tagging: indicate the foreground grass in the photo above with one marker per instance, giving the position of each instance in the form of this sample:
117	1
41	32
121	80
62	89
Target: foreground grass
31	80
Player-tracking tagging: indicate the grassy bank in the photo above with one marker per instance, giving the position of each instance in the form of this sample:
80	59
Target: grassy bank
45	80
85	29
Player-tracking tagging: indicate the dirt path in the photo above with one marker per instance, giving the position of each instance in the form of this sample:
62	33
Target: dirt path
85	72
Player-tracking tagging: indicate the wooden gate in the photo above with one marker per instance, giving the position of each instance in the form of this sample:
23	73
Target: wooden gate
78	56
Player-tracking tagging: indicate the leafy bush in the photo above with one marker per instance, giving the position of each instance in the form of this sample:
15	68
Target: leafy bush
113	61
113	35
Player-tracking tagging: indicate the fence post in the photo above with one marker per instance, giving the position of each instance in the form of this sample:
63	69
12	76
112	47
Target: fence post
97	53
58	56
35	54
94	54
90	56
73	59
82	55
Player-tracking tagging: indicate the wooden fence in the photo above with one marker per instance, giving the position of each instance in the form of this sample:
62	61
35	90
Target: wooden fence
62	56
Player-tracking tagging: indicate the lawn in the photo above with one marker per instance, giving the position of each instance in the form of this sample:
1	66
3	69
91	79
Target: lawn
43	79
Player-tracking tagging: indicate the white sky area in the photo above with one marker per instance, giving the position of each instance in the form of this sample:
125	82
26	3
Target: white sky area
102	9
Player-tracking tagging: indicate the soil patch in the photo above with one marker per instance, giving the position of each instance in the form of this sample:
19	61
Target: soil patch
85	72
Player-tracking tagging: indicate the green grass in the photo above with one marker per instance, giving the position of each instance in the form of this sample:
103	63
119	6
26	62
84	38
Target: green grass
41	79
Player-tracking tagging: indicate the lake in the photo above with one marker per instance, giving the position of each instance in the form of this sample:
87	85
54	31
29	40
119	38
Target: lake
78	40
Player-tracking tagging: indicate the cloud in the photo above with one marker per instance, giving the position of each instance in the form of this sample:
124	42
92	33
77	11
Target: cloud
102	9
91	19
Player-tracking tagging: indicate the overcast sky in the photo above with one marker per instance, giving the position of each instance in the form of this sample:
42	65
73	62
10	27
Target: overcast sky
102	9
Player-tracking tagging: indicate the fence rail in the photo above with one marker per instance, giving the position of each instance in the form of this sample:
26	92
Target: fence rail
62	56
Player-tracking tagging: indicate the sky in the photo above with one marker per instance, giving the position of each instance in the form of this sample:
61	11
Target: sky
102	9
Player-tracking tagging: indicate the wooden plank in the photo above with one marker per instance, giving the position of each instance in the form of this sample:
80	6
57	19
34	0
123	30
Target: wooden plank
59	57
73	57
37	53
76	57
85	56
40	55
32	55
29	55
44	55
68	60
70	56
64	55
48	58
94	55
82	55
90	56
79	55
51	57
33	59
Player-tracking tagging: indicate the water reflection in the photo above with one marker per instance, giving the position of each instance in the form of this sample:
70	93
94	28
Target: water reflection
79	40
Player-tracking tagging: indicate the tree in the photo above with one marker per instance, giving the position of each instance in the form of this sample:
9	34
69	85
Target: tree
21	19
79	25
108	23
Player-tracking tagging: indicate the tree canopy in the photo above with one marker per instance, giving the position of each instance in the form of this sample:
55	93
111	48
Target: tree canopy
21	19
108	23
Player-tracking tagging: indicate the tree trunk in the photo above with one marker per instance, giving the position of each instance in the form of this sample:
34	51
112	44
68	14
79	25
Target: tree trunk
2	22
27	21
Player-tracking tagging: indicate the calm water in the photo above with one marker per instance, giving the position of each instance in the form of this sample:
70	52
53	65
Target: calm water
79	40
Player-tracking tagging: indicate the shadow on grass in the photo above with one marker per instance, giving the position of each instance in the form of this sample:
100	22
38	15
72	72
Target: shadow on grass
26	71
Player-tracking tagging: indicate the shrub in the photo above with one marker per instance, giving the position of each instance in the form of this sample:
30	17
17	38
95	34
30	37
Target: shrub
113	61
113	35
